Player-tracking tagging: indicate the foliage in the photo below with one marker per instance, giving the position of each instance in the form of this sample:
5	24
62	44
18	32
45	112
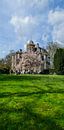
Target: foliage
3	67
51	71
5	64
59	61
52	47
30	62
31	102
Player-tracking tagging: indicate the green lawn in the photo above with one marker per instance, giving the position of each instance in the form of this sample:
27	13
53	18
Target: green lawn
31	102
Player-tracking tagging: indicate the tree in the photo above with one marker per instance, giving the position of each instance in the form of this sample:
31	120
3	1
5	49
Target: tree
30	62
8	60
3	67
52	47
5	64
59	61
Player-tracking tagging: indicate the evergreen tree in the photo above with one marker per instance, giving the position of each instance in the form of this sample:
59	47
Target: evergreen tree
59	61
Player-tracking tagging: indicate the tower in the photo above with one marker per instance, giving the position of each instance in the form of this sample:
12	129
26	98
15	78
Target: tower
30	46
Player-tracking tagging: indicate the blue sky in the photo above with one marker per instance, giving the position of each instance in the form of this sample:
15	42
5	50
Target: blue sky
22	20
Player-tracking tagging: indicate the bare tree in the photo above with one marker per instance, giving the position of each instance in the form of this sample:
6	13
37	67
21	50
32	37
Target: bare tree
51	48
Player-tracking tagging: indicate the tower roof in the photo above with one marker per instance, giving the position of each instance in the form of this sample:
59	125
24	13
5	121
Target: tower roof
30	42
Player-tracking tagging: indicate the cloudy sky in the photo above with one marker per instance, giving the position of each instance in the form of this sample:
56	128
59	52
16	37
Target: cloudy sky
22	20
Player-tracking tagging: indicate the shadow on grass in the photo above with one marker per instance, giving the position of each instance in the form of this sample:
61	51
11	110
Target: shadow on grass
9	94
29	120
19	77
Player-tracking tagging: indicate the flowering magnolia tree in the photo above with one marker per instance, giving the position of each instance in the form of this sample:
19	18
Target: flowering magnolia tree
31	62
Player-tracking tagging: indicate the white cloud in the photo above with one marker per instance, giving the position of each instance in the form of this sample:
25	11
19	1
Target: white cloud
28	5
56	19
23	26
18	21
58	33
29	18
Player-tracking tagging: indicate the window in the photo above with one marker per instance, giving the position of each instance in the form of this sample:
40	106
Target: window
42	57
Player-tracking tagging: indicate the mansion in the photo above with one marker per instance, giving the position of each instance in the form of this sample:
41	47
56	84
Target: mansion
34	60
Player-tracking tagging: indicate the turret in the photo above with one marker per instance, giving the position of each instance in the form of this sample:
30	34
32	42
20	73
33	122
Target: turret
30	46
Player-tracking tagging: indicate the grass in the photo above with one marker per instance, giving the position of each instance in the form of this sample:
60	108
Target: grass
31	102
